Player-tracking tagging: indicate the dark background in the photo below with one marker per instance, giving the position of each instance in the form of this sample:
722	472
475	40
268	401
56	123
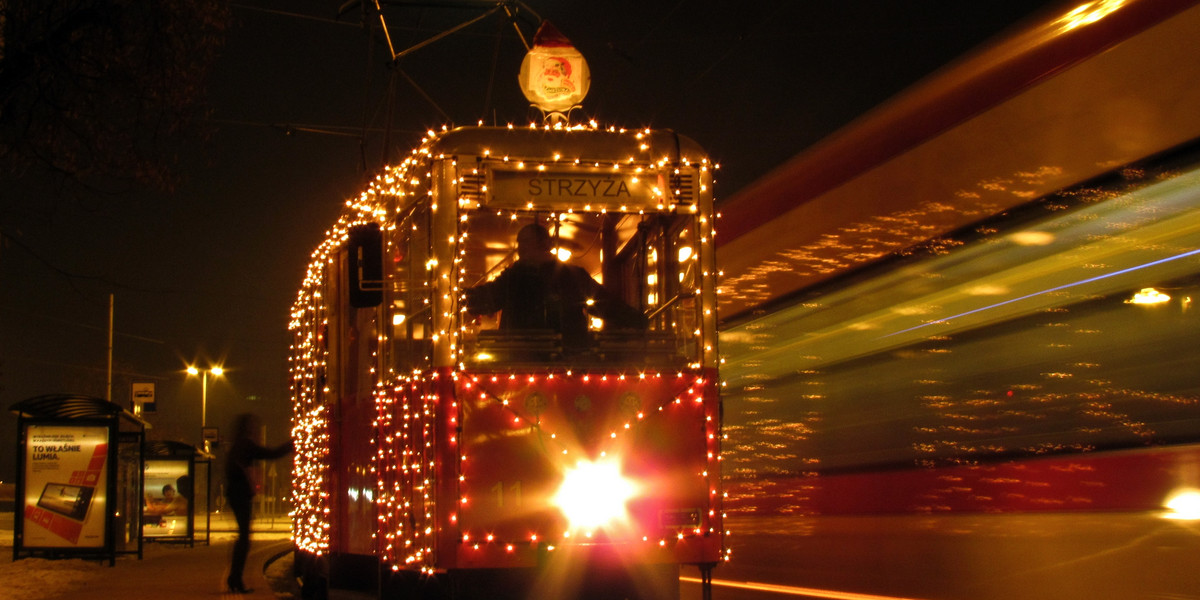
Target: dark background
303	112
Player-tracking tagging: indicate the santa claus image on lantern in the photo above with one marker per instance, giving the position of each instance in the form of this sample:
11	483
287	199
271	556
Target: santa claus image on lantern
556	77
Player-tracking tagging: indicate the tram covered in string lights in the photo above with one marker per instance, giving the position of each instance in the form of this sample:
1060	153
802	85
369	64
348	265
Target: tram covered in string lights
446	451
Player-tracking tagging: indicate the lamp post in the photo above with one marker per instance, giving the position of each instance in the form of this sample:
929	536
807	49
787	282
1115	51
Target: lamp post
217	372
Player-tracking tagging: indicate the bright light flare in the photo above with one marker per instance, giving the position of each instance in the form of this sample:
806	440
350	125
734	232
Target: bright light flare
1183	505
1148	296
593	494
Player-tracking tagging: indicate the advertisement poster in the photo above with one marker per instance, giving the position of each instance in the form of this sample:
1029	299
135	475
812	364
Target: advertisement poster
66	476
168	494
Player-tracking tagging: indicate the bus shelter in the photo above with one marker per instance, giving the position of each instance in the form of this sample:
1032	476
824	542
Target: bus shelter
177	482
79	478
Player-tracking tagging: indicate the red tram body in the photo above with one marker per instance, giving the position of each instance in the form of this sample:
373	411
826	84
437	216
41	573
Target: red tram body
960	332
949	289
433	442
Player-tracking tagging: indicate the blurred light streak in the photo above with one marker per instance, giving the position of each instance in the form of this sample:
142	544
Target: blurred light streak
1088	13
794	591
1163	215
1065	286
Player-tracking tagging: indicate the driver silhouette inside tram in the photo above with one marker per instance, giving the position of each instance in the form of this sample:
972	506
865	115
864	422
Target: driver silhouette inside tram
540	292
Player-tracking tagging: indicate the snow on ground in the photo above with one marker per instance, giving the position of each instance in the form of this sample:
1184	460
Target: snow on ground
46	579
41	579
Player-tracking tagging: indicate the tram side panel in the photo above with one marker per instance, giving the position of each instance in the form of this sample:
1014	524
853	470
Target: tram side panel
354	416
334	428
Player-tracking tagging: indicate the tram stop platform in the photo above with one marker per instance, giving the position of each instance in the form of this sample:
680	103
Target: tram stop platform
167	571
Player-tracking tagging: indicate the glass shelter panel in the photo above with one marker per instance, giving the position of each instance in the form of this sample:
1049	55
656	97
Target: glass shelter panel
168	498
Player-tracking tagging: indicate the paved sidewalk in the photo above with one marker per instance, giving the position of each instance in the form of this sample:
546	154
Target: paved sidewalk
166	572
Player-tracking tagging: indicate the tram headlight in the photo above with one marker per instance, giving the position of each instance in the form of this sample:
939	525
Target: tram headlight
593	495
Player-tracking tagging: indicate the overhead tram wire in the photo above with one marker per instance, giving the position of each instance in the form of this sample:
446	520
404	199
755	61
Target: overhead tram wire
487	96
416	86
735	45
511	10
289	128
295	15
512	20
496	7
337	20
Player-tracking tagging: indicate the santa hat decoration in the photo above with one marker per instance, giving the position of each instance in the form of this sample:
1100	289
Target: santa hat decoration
554	75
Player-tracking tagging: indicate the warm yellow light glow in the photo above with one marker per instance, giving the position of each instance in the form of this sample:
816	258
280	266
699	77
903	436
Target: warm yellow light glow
988	290
1032	238
593	494
685	253
216	371
563	254
791	590
1148	296
1183	505
1088	13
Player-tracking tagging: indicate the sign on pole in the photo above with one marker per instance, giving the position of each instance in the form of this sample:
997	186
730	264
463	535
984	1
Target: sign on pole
211	434
143	398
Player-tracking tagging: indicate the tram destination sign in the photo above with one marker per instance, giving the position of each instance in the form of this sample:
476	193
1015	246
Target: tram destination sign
575	188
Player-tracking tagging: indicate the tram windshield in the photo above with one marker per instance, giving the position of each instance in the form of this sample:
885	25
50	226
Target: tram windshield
578	288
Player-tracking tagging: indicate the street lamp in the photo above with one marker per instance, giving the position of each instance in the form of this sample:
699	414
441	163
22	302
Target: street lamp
217	372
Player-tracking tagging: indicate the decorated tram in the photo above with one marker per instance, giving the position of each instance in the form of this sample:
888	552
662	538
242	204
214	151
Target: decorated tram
447	449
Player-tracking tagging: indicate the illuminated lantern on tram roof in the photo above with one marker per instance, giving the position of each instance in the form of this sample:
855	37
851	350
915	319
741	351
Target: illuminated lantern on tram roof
554	75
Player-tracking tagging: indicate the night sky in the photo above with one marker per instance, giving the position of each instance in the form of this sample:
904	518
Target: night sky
206	275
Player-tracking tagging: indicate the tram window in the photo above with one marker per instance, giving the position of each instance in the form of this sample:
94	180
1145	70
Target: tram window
365	268
409	314
637	316
668	264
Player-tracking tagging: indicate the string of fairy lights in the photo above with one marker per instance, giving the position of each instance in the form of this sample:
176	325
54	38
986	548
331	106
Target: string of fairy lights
679	399
419	468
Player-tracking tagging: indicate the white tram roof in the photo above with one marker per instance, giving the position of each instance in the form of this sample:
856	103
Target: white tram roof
541	143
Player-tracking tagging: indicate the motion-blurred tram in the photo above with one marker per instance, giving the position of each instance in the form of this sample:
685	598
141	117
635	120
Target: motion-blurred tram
448	453
979	301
